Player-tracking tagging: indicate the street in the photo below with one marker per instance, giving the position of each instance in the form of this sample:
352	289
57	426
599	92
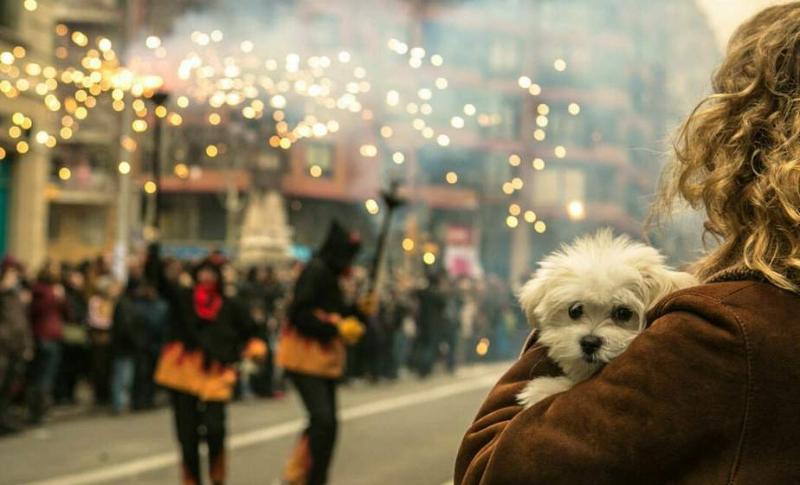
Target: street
402	433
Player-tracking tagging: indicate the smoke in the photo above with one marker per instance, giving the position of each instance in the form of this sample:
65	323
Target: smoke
504	98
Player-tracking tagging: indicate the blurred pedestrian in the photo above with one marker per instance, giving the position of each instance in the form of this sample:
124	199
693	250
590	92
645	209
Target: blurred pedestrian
154	312
75	342
100	317
495	305
260	293
209	335
393	312
430	318
468	317
128	335
312	351
47	312
16	340
449	326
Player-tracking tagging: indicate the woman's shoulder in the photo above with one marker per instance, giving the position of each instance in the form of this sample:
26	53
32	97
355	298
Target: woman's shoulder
727	299
753	316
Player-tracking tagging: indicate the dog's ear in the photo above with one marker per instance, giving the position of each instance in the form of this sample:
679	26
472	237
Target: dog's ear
661	282
530	295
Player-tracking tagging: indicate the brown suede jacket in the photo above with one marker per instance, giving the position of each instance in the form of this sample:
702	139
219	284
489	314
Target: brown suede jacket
709	393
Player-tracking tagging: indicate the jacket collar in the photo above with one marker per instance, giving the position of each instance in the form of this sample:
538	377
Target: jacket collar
743	273
737	273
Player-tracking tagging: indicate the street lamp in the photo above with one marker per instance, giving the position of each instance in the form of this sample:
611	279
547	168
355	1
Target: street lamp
160	99
392	201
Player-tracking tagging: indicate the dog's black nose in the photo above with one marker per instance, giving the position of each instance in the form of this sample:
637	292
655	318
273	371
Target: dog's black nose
590	344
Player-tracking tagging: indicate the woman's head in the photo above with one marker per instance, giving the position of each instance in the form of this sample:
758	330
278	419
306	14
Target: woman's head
737	157
50	272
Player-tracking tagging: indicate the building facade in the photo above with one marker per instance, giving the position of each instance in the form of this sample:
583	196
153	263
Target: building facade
58	186
511	126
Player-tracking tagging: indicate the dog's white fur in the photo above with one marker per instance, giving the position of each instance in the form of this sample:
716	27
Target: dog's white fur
601	274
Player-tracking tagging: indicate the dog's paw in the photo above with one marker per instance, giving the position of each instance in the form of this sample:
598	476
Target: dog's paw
541	388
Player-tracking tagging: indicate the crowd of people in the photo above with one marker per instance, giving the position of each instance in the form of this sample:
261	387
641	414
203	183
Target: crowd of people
72	327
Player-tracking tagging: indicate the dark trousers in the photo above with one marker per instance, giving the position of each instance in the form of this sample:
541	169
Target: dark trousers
191	414
73	365
10	372
319	398
100	368
424	356
144	387
262	382
42	375
389	364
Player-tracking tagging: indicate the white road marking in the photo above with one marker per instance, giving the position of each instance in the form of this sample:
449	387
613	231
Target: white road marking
483	377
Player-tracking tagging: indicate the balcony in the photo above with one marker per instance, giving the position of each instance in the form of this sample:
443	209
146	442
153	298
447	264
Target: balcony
90	11
81	185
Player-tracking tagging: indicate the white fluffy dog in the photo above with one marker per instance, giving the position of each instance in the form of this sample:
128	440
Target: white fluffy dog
588	302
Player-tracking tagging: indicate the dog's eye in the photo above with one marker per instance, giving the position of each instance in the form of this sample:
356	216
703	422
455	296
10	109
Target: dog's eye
576	311
622	314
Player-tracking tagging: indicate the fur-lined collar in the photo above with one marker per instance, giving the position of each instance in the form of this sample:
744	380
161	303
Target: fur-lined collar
737	273
742	273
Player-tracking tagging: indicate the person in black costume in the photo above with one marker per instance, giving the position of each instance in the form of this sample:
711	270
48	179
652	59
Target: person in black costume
312	351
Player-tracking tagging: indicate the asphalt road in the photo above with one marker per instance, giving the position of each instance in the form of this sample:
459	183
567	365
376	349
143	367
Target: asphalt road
401	433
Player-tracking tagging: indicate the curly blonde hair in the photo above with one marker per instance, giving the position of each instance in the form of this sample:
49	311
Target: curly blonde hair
737	156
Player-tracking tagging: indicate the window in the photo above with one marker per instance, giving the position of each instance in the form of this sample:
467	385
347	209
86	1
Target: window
560	16
9	13
435	163
54	222
506	125
269	161
93	225
498	172
574	185
319	160
460	47
545	188
569	129
556	187
213	218
265	175
604	187
504	54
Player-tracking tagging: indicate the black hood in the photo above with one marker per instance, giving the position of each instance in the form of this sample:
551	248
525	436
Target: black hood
340	248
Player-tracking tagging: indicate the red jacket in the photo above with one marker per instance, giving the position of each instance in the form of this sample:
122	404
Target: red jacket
47	313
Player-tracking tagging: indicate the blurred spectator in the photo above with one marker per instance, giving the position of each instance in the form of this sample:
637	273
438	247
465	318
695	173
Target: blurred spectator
16	340
154	312
260	293
47	312
274	290
128	340
469	315
448	329
430	317
75	342
100	317
137	335
393	313
80	328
